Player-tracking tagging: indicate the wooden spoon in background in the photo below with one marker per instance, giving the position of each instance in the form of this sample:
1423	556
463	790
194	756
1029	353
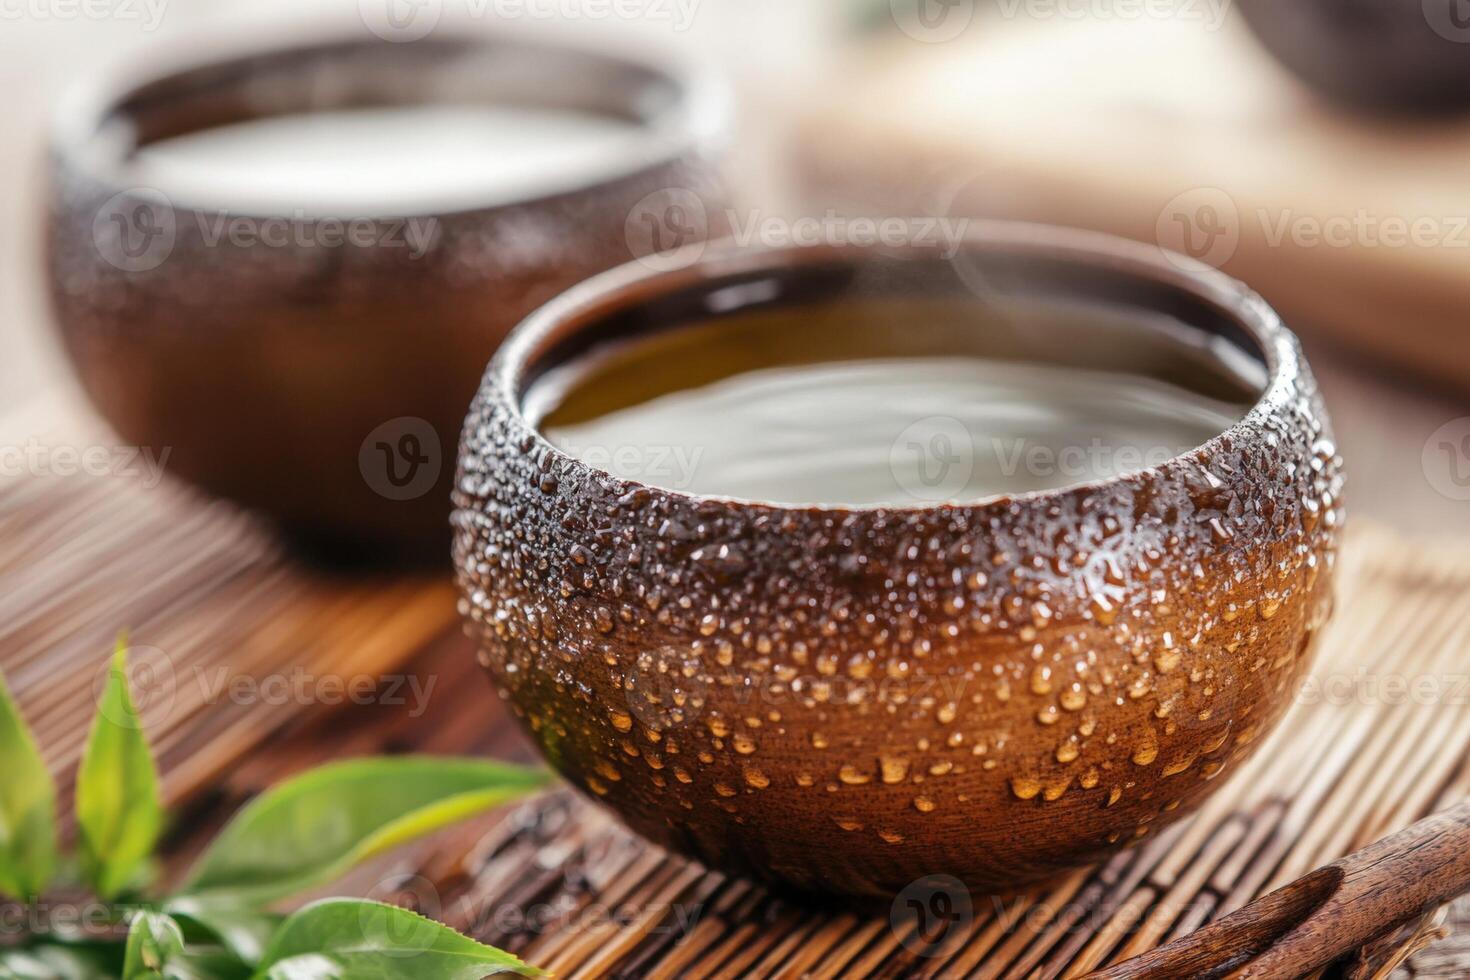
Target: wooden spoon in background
1325	915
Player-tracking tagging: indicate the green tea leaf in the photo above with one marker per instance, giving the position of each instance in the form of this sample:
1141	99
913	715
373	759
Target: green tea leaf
243	931
154	940
311	829
61	962
346	939
159	949
27	808
19	964
210	963
118	808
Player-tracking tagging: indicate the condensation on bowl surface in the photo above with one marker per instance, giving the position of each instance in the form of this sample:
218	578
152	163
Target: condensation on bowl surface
848	700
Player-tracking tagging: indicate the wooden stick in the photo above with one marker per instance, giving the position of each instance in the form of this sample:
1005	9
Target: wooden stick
1325	915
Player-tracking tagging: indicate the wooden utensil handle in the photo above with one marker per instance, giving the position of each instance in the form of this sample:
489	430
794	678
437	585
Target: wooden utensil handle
1326	914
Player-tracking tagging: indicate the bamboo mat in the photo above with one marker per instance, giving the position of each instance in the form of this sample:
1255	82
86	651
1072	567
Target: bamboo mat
230	639
1377	740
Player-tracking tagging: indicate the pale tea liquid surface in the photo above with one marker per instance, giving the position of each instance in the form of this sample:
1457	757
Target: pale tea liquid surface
409	159
904	427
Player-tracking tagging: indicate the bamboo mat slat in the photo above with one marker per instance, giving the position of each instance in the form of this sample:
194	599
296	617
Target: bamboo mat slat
1377	741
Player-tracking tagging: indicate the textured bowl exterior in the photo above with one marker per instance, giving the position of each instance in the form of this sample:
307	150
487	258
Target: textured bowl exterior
264	370
850	700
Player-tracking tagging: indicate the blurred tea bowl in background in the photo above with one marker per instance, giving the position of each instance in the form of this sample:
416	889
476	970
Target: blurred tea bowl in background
849	696
290	267
1387	56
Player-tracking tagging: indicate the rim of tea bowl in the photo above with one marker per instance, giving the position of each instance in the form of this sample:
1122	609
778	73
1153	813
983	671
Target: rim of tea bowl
192	84
273	368
849	699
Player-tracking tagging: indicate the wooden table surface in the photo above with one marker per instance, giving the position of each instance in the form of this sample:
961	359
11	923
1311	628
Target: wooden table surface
1383	419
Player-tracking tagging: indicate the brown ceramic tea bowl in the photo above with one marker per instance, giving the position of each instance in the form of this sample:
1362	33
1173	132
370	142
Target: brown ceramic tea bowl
849	699
315	362
1385	56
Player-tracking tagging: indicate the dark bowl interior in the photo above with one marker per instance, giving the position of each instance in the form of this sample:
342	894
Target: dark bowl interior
1001	287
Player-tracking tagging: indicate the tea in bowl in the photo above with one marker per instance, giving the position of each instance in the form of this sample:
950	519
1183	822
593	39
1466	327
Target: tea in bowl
289	265
843	567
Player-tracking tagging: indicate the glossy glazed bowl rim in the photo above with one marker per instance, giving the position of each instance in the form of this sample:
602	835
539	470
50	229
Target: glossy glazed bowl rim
696	121
590	302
